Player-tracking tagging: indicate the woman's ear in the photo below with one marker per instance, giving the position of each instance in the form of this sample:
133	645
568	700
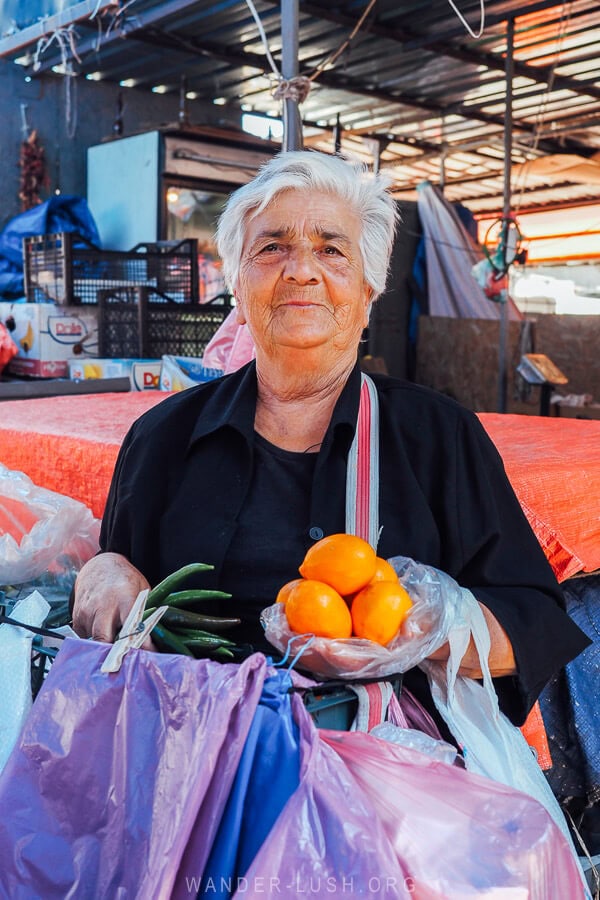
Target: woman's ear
368	301
239	309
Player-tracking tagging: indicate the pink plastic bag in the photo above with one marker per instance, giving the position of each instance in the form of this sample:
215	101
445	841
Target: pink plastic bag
459	835
8	348
231	346
118	782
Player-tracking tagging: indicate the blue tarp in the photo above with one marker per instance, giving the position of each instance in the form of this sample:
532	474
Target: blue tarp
22	15
56	214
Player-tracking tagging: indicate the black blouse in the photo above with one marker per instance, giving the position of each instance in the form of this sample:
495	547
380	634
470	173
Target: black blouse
186	471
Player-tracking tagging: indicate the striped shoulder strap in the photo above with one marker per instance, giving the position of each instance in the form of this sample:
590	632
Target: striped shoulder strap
362	478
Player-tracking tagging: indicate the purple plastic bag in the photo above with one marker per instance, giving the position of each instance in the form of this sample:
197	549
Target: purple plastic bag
328	839
460	835
114	772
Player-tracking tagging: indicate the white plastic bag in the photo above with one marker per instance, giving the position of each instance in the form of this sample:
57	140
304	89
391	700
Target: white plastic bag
436	597
491	744
15	670
41	531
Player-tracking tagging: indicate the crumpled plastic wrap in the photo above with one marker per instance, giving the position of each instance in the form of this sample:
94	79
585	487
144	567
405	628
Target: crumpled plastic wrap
415	740
436	597
41	530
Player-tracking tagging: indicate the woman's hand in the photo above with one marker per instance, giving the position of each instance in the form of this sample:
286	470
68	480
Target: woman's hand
105	590
501	659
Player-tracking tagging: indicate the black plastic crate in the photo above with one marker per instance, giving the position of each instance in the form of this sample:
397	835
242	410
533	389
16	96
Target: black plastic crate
65	269
134	322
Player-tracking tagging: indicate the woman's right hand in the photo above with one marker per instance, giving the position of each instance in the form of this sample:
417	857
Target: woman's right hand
105	590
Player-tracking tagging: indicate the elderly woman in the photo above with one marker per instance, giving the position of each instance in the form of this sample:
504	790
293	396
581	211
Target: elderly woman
247	471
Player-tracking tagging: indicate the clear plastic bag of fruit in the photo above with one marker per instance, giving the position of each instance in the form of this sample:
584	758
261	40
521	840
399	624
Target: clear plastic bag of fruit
436	602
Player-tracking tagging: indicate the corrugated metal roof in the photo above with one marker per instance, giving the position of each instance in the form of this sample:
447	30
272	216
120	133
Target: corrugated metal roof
412	85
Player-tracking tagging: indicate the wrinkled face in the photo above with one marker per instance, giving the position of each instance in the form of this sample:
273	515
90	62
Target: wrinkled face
301	281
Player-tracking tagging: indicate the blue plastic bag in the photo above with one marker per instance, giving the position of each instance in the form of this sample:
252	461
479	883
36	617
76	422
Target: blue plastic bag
268	774
328	839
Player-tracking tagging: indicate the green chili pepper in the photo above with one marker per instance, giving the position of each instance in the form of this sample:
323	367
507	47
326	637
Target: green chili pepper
189	598
169	584
168	642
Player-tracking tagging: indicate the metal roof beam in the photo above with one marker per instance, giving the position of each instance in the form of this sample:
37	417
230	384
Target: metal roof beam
146	32
141	20
406	37
49	24
344	83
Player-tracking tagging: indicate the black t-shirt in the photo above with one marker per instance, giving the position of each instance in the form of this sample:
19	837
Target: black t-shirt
185	475
268	541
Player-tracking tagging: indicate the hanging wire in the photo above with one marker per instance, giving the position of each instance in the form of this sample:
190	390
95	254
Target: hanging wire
333	56
70	103
466	24
120	18
521	182
263	38
66	40
298	87
96	9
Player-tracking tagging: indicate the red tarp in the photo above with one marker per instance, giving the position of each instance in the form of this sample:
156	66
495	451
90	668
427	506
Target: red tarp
70	444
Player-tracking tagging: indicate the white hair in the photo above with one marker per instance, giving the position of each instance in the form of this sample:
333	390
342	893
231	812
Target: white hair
310	170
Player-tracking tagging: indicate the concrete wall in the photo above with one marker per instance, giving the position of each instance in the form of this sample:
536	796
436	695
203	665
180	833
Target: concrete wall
459	357
93	113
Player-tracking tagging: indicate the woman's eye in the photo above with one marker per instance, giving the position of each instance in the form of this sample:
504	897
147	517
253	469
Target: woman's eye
331	251
270	248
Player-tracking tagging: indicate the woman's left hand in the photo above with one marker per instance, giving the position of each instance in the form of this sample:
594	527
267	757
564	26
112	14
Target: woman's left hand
501	659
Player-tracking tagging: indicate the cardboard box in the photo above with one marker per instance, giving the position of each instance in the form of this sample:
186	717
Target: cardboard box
48	336
180	372
144	374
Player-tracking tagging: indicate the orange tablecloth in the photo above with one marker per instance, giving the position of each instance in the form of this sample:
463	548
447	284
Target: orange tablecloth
70	444
554	467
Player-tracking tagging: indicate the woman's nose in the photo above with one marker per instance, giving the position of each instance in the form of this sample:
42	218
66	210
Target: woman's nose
301	266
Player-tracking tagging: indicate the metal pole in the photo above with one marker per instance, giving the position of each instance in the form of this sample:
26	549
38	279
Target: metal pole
377	157
292	123
337	135
503	337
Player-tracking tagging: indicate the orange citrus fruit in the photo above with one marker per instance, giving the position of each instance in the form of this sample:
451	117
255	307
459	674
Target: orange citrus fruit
284	591
344	561
313	607
379	610
383	571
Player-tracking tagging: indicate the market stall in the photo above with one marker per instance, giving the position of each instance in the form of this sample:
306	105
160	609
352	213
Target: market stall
70	444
